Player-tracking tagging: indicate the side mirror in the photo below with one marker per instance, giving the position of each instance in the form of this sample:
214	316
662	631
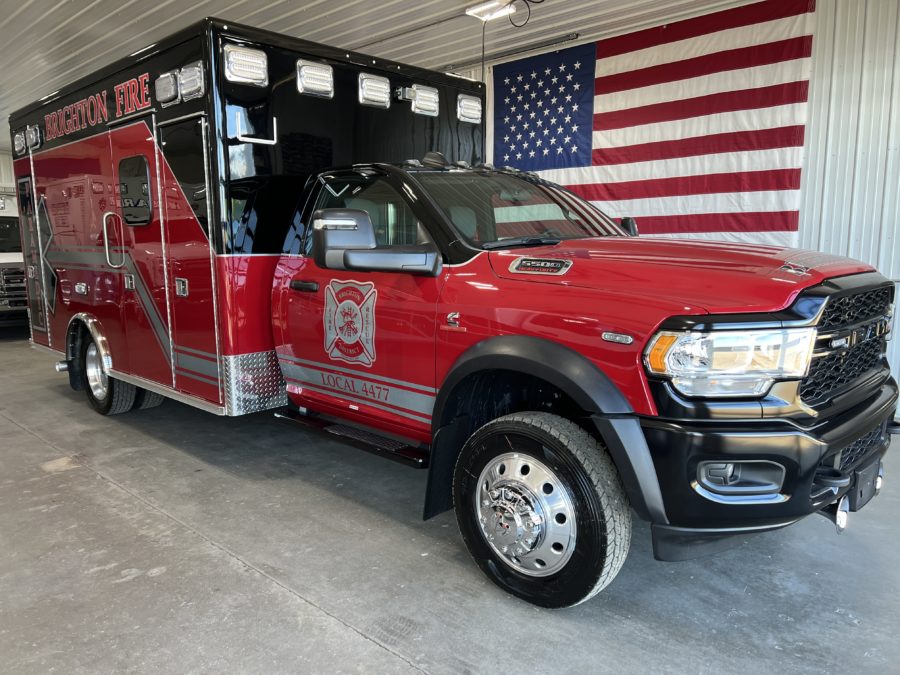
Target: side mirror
344	239
338	230
630	226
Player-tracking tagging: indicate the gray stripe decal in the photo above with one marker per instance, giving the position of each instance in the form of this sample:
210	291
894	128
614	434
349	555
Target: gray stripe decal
210	355
399	413
199	378
198	365
359	390
367	376
97	260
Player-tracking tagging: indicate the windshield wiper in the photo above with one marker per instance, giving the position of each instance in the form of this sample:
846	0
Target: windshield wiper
513	242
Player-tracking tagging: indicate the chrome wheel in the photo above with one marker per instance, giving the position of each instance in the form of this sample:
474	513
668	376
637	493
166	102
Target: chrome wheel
96	376
526	514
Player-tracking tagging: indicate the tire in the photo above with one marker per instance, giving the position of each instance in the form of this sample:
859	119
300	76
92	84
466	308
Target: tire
107	395
533	464
145	399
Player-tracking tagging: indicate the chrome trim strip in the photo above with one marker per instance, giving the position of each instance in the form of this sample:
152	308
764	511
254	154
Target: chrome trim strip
356	373
44	348
169	393
182	118
130	118
162	243
37	231
204	129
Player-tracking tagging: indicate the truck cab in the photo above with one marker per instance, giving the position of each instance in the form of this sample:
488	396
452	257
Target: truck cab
13	297
558	373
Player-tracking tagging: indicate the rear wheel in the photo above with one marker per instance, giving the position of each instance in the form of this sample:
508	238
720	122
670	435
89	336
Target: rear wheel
144	399
107	395
541	508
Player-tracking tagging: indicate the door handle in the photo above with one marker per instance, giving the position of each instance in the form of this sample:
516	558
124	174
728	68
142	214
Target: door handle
106	217
308	286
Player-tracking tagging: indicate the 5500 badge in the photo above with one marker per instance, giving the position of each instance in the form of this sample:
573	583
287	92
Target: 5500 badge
350	321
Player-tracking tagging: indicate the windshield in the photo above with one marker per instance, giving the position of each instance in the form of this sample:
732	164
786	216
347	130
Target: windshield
9	235
488	209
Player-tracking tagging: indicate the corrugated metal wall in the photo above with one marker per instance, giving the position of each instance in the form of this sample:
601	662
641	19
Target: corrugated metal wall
851	179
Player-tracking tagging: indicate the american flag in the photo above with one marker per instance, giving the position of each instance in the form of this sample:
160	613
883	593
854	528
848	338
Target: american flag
692	127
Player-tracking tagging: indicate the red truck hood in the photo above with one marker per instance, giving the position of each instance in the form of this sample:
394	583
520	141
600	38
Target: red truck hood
720	277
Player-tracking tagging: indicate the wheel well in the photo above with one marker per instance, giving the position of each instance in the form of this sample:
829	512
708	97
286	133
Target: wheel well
487	395
74	338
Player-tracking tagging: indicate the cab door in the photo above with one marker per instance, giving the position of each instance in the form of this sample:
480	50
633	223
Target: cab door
362	344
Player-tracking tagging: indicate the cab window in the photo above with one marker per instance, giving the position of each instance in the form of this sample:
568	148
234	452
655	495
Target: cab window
394	221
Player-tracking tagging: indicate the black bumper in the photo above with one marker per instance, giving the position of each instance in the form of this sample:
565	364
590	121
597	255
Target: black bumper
698	521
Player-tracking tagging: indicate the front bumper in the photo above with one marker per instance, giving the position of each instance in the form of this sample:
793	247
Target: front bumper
700	521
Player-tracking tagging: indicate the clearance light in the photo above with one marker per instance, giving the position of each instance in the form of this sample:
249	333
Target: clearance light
488	11
190	81
166	89
374	90
468	109
247	66
19	143
730	363
425	100
315	79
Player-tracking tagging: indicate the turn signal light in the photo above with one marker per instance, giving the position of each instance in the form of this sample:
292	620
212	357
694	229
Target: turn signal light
656	357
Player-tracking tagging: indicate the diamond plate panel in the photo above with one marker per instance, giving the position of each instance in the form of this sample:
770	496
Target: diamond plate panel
253	382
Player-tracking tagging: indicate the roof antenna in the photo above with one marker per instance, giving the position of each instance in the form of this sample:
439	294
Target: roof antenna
435	160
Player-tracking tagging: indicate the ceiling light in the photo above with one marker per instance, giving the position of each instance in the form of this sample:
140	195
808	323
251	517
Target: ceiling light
488	11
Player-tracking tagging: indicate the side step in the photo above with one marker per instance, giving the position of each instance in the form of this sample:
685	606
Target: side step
364	440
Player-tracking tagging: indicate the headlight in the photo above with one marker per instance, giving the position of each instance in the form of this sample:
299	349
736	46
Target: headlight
730	363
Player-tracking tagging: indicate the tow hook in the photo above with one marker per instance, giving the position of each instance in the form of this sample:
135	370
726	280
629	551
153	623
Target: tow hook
879	479
61	366
838	513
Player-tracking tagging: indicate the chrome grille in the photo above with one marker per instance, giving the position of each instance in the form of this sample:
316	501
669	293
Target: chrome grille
851	344
12	287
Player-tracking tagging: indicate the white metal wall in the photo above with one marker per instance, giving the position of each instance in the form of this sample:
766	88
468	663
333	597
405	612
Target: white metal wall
851	178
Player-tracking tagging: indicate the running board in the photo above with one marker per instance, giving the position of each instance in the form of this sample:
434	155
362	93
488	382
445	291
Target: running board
364	440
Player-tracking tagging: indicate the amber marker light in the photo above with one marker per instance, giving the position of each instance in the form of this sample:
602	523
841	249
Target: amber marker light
656	357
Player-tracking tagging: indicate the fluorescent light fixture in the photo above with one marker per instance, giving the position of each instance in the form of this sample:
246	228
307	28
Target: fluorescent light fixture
468	109
166	89
488	11
374	90
315	79
190	81
247	66
425	100
499	56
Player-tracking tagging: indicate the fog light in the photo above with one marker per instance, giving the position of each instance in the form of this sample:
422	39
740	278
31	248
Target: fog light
740	481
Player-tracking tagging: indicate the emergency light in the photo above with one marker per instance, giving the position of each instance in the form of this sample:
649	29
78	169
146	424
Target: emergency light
315	79
19	143
190	81
374	90
468	109
166	89
33	136
425	100
247	66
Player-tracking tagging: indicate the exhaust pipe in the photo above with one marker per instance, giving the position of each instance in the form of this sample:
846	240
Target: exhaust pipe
61	366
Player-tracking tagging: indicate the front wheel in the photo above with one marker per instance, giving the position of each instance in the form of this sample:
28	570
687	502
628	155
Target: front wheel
541	508
107	395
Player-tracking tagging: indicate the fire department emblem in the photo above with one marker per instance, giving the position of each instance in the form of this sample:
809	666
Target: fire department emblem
350	321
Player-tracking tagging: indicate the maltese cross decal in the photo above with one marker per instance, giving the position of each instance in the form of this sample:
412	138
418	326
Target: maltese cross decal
350	321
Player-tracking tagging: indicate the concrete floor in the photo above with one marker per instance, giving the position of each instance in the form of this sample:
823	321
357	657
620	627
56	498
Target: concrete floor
172	540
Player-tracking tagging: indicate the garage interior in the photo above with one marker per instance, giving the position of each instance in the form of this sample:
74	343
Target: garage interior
177	540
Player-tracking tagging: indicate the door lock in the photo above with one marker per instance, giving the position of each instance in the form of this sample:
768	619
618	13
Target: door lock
129	282
181	287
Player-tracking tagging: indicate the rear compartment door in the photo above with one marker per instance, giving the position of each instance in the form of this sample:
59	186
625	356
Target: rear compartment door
133	230
191	262
32	251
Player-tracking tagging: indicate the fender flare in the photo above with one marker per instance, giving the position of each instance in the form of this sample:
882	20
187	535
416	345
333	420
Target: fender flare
92	323
570	372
